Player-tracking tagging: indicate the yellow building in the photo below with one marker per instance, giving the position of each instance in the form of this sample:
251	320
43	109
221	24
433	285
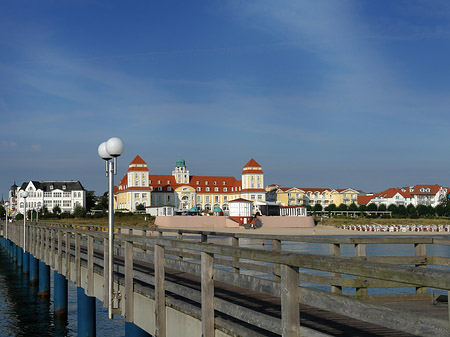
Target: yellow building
187	192
293	196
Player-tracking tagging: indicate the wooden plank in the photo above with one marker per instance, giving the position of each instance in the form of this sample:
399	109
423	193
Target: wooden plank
129	291
335	250
68	254
78	259
235	261
105	273
290	312
375	314
160	300
207	279
420	249
276	246
60	252
90	266
360	251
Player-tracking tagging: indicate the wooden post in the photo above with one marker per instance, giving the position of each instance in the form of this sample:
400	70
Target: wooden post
420	250
180	250
68	254
335	250
105	273
204	238
160	295
77	259
290	311
60	252
90	266
129	295
360	250
52	250
276	244
207	270
235	243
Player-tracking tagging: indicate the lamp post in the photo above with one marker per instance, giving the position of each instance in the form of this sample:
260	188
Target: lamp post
111	149
24	195
6	223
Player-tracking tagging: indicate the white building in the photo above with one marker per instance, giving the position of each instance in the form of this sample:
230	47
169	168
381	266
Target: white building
429	195
65	194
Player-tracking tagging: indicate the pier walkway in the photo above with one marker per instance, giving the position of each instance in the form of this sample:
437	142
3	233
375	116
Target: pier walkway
200	283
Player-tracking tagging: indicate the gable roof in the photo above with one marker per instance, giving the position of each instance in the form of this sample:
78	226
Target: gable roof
252	163
138	160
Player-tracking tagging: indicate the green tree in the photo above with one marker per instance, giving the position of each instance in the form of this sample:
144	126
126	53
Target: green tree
331	207
90	200
402	211
422	210
382	207
317	207
393	208
412	211
372	207
353	207
56	210
342	207
140	207
79	212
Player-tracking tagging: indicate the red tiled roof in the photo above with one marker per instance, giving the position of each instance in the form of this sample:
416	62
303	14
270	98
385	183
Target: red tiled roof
364	199
252	163
134	169
138	160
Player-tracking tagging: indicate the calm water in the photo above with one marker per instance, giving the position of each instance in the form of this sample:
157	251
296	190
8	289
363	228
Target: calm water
22	313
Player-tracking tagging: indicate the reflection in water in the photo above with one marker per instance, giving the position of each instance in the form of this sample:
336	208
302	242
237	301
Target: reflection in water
23	313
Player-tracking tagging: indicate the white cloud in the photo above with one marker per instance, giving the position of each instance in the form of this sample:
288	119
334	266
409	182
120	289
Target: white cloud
36	147
9	145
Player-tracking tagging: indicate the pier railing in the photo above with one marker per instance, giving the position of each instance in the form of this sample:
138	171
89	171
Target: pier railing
144	257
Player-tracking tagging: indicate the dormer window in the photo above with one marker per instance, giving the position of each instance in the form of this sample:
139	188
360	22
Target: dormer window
223	183
159	188
64	187
207	189
216	189
168	181
169	188
206	182
198	183
215	183
51	187
159	182
199	189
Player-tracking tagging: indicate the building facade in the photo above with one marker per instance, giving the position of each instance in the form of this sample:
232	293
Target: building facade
429	195
185	191
65	194
295	196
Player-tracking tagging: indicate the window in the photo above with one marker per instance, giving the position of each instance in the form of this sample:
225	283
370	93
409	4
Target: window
259	197
136	195
169	188
216	198
51	187
66	195
159	182
57	194
225	198
223	182
225	189
144	195
252	197
206	182
207	189
168	181
216	189
159	188
207	198
66	203
64	187
199	189
198	182
215	183
199	199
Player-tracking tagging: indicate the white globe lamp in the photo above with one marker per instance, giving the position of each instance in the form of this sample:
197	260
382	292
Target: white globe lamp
102	152
114	146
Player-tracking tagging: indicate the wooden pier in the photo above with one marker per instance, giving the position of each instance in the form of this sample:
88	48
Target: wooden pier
200	283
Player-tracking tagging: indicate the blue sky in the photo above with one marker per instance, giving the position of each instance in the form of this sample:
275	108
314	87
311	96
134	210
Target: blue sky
321	93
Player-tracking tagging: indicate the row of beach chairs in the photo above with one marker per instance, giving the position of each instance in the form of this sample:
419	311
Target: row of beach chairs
397	228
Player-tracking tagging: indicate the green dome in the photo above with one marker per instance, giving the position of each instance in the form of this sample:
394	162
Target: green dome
180	163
